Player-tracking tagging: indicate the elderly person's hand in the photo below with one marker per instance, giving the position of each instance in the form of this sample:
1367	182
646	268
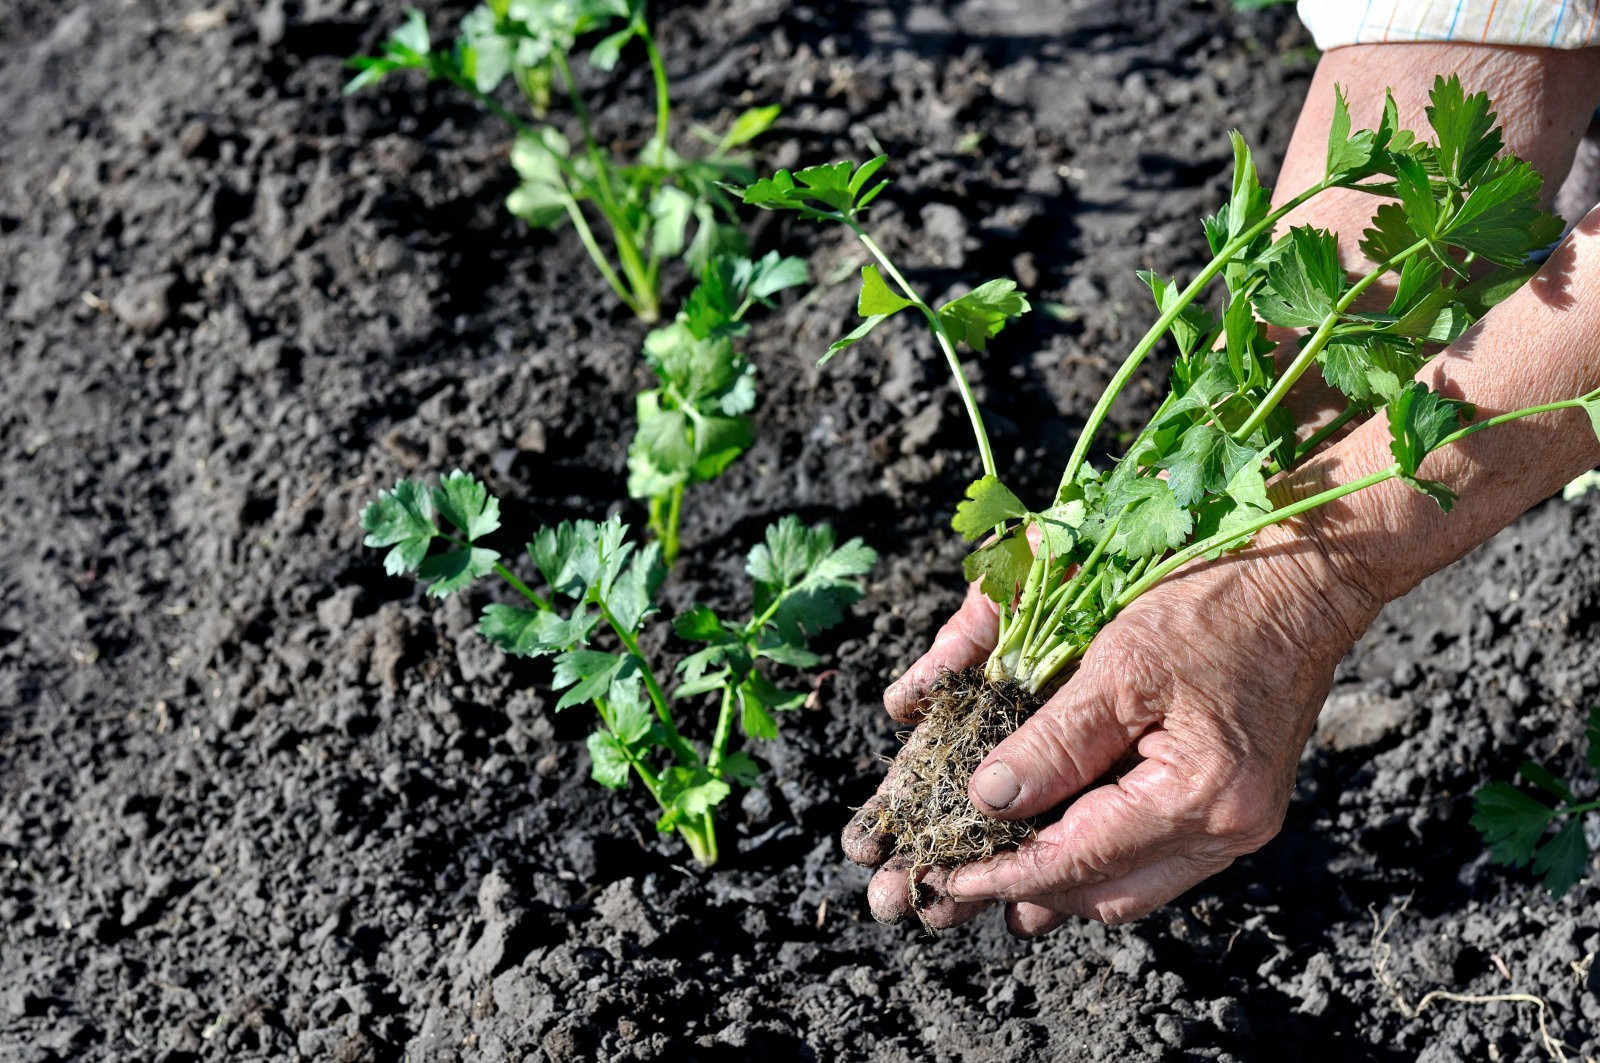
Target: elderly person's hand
1215	679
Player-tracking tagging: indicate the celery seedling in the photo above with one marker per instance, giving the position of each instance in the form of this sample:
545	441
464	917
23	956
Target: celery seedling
646	205
1455	230
802	582
1514	824
696	422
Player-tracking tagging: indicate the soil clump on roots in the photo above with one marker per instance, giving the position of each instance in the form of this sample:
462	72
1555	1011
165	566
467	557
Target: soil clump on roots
928	813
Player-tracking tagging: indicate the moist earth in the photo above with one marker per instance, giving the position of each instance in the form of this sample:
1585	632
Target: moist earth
260	801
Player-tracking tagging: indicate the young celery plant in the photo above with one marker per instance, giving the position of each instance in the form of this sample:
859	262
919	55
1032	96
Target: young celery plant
802	584
645	206
697	421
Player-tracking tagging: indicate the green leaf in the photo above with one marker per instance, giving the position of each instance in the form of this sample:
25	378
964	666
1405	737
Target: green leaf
741	768
1303	282
466	503
631	595
795	656
749	125
774	272
1249	201
589	673
1206	459
1349	157
983	312
1464	127
1390	233
988	503
876	299
1592	408
688	794
402	518
670	209
1545	779
406	49
803	580
1510	821
1192	323
609	760
1002	566
758	700
1500	219
1369	367
1146	515
1563	860
701	624
854	336
534	632
605	54
837	186
1419	420
632	715
449	572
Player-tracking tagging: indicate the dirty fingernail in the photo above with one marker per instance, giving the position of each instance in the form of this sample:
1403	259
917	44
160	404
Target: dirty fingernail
996	786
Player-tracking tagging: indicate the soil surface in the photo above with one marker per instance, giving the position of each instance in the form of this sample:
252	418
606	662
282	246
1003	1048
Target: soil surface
259	801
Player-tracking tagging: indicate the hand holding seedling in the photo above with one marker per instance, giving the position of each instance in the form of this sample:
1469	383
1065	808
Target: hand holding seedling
1211	668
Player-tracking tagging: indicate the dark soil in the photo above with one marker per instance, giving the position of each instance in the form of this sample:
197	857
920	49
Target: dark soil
259	801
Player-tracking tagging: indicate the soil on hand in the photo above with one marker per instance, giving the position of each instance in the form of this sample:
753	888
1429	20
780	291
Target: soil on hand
259	801
927	811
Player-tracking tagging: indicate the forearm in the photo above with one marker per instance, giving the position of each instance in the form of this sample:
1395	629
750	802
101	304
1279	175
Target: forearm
1541	345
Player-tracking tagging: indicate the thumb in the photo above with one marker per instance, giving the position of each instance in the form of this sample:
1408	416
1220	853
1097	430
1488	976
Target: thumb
1074	739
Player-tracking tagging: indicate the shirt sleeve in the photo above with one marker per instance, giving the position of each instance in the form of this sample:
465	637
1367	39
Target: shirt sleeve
1530	23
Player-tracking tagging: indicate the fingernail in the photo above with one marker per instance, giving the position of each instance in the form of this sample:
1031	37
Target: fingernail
996	786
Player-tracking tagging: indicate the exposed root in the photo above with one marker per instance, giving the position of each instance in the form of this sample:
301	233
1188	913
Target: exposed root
1382	952
927	811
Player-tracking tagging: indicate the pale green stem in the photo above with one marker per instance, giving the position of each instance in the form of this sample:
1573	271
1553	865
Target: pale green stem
1142	350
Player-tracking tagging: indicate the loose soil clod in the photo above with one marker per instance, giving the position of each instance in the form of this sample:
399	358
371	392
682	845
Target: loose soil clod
928	813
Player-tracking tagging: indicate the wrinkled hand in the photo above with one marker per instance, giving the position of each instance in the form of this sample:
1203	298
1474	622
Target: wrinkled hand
1215	677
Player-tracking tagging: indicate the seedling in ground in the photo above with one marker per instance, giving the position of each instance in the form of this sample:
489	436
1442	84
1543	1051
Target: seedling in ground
1457	222
646	204
1516	825
801	584
697	421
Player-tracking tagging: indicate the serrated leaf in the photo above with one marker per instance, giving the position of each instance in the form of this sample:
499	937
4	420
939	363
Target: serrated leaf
1390	233
1303	282
854	336
401	517
774	272
1349	156
608	760
876	299
1563	860
803	580
631	595
988	503
1545	779
605	54
1464	128
687	794
589	673
1500	219
1145	514
836	186
1206	459
1419	420
795	656
632	714
981	313
741	768
1369	367
1592	408
1001	566
466	503
1192	323
534	632
758	700
449	572
749	125
701	624
670	209
1510	821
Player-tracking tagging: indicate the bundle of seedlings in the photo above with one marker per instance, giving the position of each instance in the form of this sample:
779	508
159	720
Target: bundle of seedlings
801	584
1454	225
646	203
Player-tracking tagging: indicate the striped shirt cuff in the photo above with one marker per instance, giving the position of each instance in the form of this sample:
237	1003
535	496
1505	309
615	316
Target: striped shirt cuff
1531	23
